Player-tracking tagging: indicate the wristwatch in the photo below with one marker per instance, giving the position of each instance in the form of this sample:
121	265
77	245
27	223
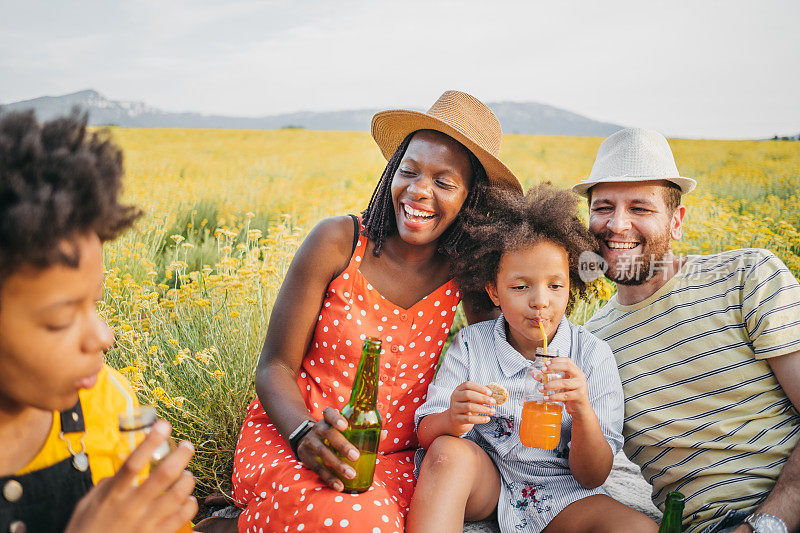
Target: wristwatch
766	523
298	434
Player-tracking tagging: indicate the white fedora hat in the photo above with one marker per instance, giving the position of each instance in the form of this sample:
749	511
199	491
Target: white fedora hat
634	154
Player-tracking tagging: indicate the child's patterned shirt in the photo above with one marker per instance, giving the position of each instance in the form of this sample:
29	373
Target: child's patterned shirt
536	484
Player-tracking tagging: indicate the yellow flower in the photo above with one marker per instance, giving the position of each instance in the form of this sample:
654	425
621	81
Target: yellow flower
204	357
159	393
162	396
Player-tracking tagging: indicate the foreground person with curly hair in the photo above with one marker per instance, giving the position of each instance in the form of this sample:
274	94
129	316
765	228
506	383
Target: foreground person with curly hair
521	256
59	402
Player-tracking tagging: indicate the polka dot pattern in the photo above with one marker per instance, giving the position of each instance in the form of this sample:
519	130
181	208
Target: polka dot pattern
413	336
265	477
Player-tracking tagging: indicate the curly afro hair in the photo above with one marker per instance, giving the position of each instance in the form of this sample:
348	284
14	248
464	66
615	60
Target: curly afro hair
515	222
57	181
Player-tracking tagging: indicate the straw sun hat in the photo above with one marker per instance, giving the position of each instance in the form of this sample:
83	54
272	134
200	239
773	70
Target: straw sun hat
457	114
634	154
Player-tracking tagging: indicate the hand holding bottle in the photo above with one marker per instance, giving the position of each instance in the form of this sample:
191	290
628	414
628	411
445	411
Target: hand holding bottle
327	436
570	389
162	503
318	447
342	447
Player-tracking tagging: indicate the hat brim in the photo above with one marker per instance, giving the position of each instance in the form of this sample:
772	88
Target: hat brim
389	128
687	185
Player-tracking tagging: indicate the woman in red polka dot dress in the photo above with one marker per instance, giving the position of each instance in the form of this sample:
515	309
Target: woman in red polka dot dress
387	276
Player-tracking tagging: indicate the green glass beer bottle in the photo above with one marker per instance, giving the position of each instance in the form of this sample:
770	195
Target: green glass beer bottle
673	514
363	419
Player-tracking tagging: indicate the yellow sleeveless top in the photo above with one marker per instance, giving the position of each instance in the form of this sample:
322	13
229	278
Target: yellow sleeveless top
105	447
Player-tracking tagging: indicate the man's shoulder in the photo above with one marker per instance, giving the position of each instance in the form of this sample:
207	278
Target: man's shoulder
729	261
591	343
593	325
585	334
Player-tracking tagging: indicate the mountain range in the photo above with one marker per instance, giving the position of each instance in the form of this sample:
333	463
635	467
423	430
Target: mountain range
515	117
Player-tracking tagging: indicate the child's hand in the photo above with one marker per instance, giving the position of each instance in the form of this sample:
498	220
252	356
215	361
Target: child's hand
470	404
163	503
570	389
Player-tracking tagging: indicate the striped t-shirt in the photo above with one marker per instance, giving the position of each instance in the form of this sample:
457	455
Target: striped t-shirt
704	414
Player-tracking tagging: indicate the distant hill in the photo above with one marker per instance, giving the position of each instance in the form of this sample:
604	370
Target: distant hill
515	117
786	137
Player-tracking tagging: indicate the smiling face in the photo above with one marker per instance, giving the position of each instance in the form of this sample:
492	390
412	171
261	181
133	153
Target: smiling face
634	228
532	285
430	186
51	338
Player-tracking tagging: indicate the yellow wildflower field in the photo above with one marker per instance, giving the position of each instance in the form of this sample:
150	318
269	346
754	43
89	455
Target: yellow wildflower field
189	290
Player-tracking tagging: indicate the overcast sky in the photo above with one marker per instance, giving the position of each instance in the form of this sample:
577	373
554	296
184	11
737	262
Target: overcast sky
701	68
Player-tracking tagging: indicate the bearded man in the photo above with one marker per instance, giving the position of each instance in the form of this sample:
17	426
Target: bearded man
708	349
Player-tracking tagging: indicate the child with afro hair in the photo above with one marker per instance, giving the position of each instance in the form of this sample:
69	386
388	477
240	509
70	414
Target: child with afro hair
63	464
521	256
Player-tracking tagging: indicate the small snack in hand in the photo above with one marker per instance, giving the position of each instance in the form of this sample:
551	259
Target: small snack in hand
499	393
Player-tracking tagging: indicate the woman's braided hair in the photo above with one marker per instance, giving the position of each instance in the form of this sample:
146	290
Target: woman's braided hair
379	219
510	222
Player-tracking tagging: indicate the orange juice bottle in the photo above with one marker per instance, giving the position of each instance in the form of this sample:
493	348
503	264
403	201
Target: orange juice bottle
541	419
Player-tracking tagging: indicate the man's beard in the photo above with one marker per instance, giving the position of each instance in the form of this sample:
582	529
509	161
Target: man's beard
638	269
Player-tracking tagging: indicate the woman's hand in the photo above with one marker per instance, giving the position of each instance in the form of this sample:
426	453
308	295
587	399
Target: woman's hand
163	503
470	404
570	389
317	448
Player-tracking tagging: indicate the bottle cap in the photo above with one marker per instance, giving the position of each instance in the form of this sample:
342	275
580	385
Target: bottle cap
550	353
372	343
